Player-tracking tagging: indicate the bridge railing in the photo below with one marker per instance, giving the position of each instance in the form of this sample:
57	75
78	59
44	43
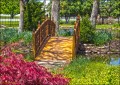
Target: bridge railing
76	35
42	35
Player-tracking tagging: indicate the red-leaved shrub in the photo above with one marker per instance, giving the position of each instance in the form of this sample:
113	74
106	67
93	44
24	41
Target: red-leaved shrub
14	70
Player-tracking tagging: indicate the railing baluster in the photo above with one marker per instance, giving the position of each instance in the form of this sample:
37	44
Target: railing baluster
41	35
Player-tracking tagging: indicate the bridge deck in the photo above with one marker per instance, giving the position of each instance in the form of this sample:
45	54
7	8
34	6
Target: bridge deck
57	49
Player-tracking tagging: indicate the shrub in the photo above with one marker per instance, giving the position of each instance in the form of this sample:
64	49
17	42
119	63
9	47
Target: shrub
11	35
7	34
33	14
14	70
101	37
86	30
65	32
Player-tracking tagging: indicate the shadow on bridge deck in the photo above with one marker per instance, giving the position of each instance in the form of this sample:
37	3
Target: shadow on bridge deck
57	49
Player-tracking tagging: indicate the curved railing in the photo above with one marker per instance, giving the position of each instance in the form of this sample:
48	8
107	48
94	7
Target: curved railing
42	35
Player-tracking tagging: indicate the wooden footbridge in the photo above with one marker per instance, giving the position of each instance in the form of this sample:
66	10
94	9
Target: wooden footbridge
47	46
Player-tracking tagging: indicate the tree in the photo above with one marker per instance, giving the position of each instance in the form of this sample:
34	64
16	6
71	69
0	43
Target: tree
94	12
9	7
55	12
110	8
70	8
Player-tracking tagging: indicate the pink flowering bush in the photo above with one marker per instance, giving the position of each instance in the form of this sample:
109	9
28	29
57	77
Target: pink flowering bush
14	70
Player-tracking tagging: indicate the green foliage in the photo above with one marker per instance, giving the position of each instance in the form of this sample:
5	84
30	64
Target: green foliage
11	35
75	7
33	14
101	37
29	57
83	71
116	25
86	30
110	8
7	34
9	7
65	32
71	22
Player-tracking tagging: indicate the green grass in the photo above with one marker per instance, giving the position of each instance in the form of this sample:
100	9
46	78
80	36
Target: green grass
102	26
66	25
82	71
10	23
8	17
107	26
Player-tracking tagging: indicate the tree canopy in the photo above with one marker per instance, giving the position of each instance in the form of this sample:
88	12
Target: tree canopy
9	7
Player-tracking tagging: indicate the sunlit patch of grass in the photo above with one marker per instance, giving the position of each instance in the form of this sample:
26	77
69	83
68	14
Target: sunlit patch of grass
107	26
83	71
66	26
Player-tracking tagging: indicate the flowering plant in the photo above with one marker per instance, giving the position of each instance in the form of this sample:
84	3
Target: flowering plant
14	70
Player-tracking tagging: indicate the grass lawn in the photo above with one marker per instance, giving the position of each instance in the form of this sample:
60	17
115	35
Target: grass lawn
8	17
66	26
10	23
102	26
83	71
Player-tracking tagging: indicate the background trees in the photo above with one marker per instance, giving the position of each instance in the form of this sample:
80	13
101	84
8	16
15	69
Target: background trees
7	7
67	9
70	8
110	8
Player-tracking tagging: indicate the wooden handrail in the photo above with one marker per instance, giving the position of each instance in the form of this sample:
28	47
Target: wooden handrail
76	35
42	35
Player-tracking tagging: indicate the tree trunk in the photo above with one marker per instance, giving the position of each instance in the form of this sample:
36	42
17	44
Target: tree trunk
21	22
55	13
118	20
44	4
94	12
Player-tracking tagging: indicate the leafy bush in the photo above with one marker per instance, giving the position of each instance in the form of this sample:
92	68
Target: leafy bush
65	32
101	37
11	35
86	30
33	14
7	34
14	70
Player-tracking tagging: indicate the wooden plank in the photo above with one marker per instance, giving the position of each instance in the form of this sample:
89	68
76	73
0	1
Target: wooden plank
57	48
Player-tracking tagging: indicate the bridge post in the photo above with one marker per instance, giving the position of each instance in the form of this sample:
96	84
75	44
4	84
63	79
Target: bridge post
76	35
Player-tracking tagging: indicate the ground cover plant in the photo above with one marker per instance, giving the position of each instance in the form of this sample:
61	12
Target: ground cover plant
15	70
9	35
102	37
83	71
